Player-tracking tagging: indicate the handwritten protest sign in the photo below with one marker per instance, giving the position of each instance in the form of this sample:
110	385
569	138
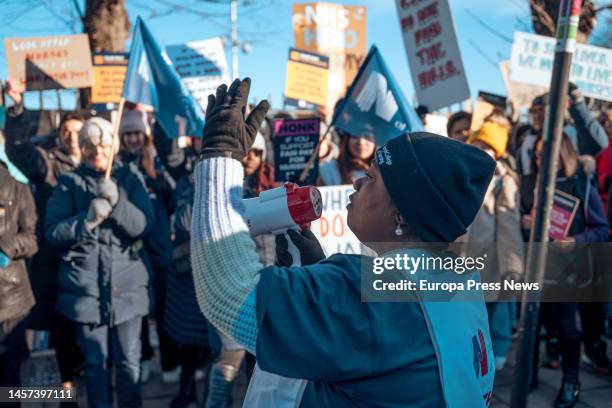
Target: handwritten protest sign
335	30
294	143
486	104
562	214
331	229
433	52
201	65
532	58
520	94
307	76
55	62
109	73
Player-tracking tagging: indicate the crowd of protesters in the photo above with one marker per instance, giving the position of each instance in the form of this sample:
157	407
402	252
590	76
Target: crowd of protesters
107	256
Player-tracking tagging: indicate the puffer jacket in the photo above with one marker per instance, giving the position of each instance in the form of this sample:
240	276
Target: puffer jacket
17	241
102	279
42	167
497	228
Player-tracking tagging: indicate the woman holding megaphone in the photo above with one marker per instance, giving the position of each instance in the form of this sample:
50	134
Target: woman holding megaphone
316	343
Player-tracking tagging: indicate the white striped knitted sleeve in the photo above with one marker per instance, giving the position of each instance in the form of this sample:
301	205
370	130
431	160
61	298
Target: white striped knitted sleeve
224	261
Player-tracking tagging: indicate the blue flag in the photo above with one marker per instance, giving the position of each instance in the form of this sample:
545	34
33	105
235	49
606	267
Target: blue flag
374	104
152	80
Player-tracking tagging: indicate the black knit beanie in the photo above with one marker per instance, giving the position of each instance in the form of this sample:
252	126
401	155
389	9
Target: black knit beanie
437	183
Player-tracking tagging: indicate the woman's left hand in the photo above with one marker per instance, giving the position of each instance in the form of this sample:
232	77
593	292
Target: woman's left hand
310	249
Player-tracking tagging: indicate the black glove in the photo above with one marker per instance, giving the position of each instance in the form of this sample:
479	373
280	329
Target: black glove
574	93
308	245
226	132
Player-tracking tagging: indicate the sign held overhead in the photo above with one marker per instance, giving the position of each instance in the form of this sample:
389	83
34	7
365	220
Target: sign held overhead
433	52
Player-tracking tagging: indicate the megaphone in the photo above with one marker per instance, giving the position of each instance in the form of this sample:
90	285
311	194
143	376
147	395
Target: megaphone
279	209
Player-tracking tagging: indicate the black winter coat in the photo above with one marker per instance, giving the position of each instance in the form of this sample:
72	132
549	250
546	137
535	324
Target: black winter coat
42	167
102	279
17	241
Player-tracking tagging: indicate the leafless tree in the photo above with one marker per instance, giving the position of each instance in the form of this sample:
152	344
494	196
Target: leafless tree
544	14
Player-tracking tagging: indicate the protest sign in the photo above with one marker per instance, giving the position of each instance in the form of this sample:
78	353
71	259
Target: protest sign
433	52
108	73
335	30
307	80
532	61
562	214
54	62
202	67
294	143
520	94
331	229
486	104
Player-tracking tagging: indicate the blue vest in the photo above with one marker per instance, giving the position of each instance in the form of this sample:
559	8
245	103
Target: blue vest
456	327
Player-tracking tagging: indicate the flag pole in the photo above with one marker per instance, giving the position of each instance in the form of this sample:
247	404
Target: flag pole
116	123
567	26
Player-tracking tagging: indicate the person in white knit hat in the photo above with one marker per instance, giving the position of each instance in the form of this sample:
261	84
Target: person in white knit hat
96	225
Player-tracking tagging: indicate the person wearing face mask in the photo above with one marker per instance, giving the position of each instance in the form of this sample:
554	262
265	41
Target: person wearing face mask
97	224
497	225
354	157
458	126
307	325
138	152
42	167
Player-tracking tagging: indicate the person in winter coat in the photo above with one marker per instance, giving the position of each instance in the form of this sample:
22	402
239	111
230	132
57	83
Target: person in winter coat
98	223
497	224
138	152
183	321
587	135
356	153
17	242
589	226
317	343
42	167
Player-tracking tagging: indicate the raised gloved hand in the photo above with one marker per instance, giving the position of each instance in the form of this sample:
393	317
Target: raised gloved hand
108	190
99	210
574	93
4	260
227	133
308	245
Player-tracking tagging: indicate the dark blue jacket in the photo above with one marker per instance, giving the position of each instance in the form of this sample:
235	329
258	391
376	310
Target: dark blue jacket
183	320
158	240
102	279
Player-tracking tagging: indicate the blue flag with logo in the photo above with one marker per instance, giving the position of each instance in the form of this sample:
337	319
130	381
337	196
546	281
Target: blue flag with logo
152	80
374	104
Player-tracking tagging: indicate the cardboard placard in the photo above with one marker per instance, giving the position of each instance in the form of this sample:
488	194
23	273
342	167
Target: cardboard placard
294	141
519	93
331	229
486	104
54	62
335	30
202	67
562	214
307	80
433	52
532	61
109	74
